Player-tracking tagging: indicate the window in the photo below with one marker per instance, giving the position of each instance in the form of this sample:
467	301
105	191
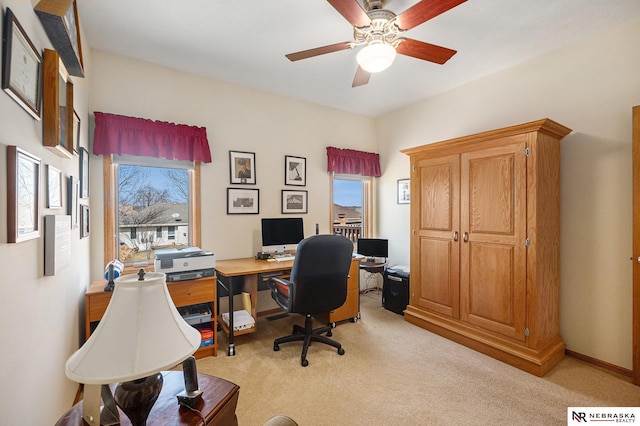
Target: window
146	196
172	232
351	213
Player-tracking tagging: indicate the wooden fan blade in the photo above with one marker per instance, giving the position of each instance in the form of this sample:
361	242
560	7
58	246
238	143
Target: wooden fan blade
423	11
361	78
426	51
304	54
352	12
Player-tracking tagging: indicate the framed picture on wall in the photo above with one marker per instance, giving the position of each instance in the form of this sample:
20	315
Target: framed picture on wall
295	170
22	67
73	200
243	167
60	21
23	195
54	188
243	201
404	191
294	201
84	173
84	220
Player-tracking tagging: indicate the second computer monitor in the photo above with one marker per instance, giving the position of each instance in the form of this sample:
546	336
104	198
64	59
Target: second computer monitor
373	247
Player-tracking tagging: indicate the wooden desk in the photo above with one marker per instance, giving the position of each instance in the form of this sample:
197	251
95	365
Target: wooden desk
250	269
183	293
218	405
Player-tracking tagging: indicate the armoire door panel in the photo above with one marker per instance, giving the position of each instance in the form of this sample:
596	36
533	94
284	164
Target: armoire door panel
439	288
437	198
494	295
493	252
491	211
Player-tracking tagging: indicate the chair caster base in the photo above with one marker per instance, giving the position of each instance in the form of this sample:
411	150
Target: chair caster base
340	351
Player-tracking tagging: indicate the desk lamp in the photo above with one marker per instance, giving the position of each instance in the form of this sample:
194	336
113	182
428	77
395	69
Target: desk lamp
140	334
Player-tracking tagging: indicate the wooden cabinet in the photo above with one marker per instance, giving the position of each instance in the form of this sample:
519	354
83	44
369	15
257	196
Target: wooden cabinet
351	308
485	215
183	293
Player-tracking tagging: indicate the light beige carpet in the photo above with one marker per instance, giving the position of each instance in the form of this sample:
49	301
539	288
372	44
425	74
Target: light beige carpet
394	373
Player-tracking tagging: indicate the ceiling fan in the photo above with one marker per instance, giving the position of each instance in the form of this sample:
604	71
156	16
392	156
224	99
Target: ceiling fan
380	32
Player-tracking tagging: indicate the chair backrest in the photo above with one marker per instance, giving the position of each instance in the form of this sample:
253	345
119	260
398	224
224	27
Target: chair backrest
320	272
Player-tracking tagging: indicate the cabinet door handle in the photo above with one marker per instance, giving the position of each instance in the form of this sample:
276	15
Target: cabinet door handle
465	236
455	235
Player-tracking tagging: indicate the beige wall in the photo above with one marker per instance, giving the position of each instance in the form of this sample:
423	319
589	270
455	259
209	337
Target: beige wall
39	315
591	88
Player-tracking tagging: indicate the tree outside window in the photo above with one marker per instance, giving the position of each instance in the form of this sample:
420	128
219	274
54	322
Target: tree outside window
150	199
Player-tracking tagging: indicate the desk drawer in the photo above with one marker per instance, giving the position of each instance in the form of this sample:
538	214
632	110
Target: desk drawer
185	293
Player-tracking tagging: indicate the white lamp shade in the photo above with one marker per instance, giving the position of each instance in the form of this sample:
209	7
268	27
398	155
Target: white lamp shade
141	333
376	57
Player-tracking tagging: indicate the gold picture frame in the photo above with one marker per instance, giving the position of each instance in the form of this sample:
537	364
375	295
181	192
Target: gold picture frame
60	21
57	122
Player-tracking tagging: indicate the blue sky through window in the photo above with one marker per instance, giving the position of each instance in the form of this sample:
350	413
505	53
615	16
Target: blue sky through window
347	193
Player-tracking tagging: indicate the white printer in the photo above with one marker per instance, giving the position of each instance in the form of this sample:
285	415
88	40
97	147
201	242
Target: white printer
188	263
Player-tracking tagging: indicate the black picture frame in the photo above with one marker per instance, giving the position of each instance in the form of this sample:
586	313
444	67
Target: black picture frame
243	201
295	170
242	167
404	191
73	200
294	202
60	21
22	67
84	172
84	220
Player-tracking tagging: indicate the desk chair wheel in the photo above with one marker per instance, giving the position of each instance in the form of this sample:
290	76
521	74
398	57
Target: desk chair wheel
340	351
304	362
276	347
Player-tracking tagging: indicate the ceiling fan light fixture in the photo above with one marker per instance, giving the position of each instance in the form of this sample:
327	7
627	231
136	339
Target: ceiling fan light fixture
376	57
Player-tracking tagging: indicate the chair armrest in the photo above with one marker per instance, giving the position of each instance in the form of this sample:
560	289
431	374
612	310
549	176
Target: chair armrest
281	285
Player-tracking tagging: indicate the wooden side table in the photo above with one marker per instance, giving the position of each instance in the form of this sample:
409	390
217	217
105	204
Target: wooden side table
218	405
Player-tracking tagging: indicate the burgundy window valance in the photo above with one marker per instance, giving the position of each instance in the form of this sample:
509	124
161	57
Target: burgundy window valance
349	161
119	134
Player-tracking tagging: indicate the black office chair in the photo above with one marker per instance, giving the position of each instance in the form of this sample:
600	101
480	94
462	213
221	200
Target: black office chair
318	284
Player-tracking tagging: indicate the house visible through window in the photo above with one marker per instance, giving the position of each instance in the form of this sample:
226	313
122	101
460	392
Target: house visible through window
150	199
350	210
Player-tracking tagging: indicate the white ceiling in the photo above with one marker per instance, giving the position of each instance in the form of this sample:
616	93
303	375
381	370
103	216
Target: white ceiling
244	41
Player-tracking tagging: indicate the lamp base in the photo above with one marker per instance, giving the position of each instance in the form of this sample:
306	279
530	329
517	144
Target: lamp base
190	399
136	398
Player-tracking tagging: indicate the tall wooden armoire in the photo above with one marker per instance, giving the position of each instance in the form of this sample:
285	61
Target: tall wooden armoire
485	230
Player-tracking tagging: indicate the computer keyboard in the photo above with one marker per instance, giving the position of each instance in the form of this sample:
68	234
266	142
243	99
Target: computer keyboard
283	258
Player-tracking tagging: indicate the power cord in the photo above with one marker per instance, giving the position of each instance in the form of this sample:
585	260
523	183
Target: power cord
197	412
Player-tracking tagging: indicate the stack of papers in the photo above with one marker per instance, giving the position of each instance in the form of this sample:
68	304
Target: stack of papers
241	320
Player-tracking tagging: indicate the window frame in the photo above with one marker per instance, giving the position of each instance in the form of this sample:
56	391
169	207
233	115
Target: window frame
110	203
367	202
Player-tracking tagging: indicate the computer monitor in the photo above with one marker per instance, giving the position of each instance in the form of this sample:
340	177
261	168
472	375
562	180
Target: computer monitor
281	234
373	247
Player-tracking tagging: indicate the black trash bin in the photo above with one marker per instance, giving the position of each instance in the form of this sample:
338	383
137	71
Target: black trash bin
395	289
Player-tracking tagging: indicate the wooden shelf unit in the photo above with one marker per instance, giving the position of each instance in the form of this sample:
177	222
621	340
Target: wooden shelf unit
183	293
